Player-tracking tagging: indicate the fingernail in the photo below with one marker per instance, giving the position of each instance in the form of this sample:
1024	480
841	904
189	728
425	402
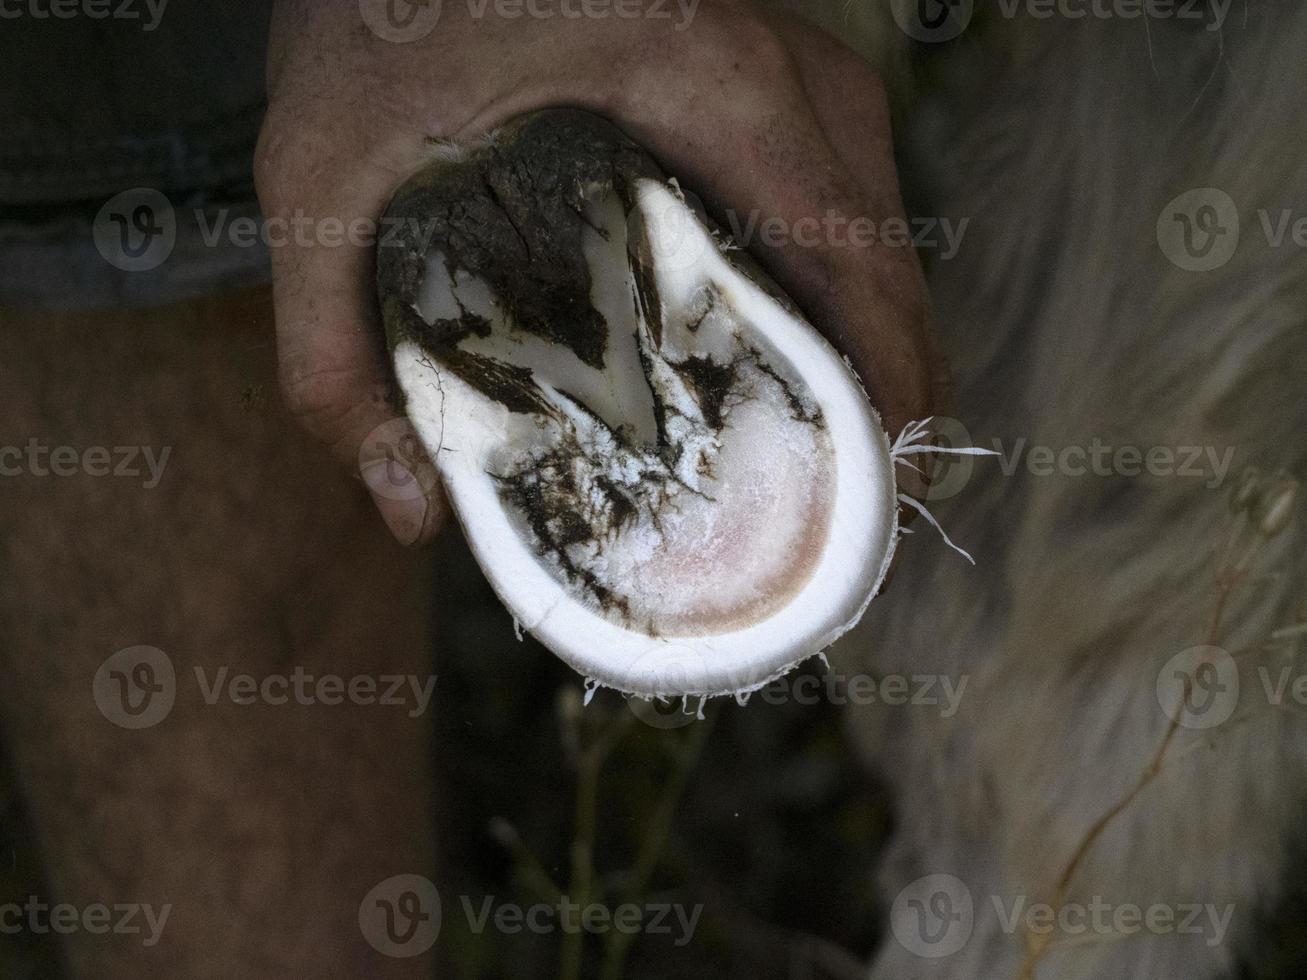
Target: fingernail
398	497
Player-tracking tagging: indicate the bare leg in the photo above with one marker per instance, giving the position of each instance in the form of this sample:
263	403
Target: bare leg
263	825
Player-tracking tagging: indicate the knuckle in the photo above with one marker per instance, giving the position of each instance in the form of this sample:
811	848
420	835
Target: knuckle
327	401
312	397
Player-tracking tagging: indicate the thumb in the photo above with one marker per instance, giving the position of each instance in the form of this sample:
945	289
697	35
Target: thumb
334	370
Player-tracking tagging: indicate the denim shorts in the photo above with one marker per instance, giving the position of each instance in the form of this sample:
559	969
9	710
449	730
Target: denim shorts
129	132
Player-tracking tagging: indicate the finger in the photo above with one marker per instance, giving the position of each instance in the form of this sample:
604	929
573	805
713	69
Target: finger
333	365
850	102
757	144
844	91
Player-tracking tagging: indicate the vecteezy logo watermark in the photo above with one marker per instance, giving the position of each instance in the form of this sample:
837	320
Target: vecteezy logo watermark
400	917
836	230
400	21
394	463
1284	225
150	11
588	10
1191	10
668	667
894	690
1109	920
38	459
1198	688
136	230
1199	230
305	689
948	474
932	21
565	915
403	21
97	919
137	688
936	691
1100	459
1284	685
933	916
305	231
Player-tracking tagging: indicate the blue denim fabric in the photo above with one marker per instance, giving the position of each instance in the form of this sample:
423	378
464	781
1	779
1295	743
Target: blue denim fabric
114	97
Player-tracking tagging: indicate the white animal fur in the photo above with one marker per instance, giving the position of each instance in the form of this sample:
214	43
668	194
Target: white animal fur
1063	140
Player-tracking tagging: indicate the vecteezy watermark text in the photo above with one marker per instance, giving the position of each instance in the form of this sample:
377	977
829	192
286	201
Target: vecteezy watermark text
565	915
150	12
1098	458
303	230
1093	457
303	688
939	692
894	690
1108	919
137	231
97	919
937	21
38	459
137	687
682	11
401	917
936	915
405	21
1213	12
836	230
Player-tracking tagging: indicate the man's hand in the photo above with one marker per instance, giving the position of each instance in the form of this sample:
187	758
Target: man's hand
779	129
